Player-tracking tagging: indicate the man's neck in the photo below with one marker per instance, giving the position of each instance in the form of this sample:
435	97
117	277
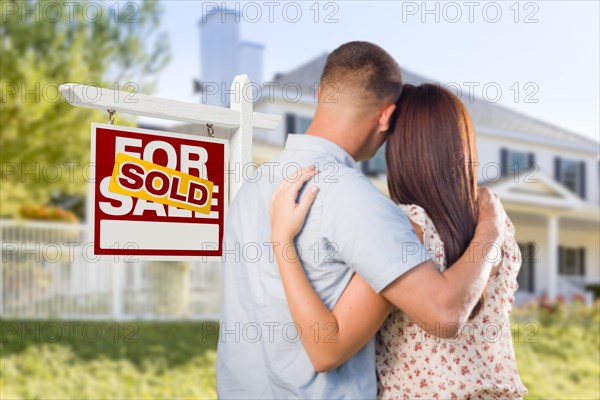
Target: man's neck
333	134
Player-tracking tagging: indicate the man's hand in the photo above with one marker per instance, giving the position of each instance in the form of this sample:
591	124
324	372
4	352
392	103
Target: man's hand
434	299
492	217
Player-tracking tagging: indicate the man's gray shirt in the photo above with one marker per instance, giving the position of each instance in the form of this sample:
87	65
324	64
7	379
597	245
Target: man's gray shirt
351	227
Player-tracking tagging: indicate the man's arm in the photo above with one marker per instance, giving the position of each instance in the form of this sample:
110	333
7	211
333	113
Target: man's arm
373	236
441	303
339	333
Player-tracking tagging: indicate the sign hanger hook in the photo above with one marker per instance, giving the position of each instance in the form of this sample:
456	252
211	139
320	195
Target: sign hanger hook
111	116
211	130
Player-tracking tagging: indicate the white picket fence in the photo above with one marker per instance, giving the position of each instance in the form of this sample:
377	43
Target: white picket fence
48	272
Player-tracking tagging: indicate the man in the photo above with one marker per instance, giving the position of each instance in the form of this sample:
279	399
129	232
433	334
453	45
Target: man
351	227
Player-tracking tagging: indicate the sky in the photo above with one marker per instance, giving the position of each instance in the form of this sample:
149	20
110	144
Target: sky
539	58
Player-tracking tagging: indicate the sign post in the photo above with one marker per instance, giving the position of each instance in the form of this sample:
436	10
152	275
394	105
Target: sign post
163	195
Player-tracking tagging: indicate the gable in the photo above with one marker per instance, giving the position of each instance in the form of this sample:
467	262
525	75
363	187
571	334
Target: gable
537	189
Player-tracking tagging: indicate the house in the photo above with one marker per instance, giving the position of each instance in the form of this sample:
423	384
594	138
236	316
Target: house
547	177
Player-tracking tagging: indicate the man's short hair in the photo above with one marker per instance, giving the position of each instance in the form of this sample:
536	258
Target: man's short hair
366	67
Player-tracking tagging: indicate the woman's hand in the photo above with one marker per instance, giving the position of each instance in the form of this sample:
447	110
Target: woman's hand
287	216
359	312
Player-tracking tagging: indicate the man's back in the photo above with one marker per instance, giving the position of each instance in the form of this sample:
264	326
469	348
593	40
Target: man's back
260	354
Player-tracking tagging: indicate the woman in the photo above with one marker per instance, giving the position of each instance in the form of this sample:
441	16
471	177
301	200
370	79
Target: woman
431	155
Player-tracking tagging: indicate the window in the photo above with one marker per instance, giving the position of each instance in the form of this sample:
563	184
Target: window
514	161
296	123
526	277
571	261
375	165
302	124
570	173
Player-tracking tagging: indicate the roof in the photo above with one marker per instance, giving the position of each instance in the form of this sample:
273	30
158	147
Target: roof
486	116
252	44
528	196
306	75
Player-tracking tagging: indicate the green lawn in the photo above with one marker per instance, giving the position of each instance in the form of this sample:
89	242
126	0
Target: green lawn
558	355
158	360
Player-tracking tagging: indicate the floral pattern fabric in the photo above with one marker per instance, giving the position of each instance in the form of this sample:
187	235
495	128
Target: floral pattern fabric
478	364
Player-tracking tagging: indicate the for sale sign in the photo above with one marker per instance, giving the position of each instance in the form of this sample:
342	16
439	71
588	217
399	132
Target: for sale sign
156	194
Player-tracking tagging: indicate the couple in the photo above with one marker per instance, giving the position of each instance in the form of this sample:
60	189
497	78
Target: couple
360	296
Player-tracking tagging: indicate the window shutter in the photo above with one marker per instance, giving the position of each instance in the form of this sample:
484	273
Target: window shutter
561	268
504	161
290	123
582	179
582	261
557	168
532	263
530	161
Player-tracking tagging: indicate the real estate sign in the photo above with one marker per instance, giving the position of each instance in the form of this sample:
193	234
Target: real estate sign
156	194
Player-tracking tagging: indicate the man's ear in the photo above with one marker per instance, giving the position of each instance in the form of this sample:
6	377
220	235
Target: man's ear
385	117
318	93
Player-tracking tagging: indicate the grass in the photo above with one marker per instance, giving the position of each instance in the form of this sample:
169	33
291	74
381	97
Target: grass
107	360
557	348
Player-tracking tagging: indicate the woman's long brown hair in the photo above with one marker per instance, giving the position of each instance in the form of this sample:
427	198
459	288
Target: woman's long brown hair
432	162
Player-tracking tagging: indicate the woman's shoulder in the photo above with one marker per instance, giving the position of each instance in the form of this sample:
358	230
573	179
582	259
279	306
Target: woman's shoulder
415	213
428	235
419	216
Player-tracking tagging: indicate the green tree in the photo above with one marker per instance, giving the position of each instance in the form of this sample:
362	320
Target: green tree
44	141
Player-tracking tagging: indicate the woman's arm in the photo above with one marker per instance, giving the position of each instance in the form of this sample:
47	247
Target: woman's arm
330	337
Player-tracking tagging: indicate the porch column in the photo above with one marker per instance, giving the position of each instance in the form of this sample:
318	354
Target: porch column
552	256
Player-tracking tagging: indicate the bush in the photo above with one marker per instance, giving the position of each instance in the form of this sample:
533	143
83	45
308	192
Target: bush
595	289
558	349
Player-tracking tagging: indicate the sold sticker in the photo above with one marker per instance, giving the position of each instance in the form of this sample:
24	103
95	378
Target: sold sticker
145	180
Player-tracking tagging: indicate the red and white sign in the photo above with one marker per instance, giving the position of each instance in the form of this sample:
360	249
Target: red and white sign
157	195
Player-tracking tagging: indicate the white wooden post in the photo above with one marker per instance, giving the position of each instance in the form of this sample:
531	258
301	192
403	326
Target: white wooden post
240	142
239	118
117	288
156	107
